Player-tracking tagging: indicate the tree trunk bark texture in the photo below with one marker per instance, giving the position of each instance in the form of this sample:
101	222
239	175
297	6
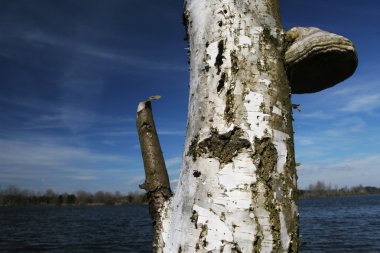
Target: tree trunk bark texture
237	189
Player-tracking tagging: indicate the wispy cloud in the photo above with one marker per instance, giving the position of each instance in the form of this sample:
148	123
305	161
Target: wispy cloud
123	132
363	103
45	152
319	115
75	46
45	121
304	140
133	61
361	94
60	117
135	180
76	119
29	103
345	126
318	132
35	114
171	132
84	178
173	162
44	115
40	162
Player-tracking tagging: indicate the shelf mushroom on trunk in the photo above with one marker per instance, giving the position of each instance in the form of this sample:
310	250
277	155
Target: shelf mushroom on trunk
316	60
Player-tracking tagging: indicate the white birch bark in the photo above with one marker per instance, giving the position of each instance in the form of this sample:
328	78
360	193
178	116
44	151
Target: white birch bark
237	190
237	187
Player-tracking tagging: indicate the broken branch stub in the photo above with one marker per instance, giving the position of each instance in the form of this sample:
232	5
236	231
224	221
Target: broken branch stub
316	60
156	183
156	176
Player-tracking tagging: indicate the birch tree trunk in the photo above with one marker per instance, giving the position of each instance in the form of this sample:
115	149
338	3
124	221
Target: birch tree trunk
237	189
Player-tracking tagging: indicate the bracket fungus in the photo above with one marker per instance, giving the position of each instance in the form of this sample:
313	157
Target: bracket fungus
316	60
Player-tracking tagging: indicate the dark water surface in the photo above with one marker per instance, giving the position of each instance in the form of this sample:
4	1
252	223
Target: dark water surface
75	229
341	224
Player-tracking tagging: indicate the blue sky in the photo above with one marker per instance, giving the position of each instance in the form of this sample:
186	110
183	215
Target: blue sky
73	71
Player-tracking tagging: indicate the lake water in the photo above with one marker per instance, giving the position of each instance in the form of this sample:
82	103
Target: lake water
341	224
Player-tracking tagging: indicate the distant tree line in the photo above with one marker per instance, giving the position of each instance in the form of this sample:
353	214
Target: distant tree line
12	195
321	189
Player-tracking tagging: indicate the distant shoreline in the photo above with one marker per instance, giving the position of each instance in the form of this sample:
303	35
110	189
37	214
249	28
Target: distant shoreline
13	196
333	196
320	190
301	197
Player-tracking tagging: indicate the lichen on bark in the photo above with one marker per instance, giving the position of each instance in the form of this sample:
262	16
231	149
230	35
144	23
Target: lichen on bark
265	158
222	146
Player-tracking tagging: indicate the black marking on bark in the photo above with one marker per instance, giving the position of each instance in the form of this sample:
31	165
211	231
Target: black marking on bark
219	58
221	82
229	110
220	23
180	249
234	62
257	244
259	65
204	231
262	107
185	22
197	173
203	234
235	248
223	216
193	149
194	219
267	36
222	146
